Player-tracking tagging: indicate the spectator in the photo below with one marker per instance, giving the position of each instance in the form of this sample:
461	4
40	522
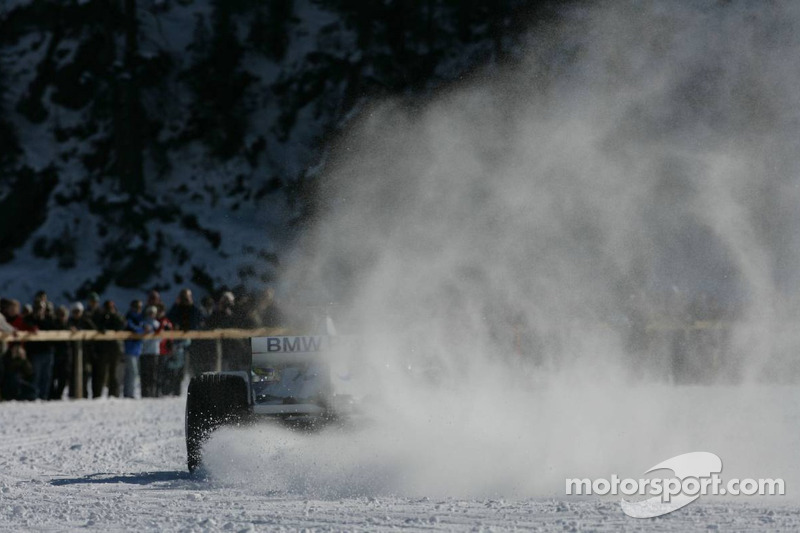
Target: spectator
204	351
207	305
267	314
170	366
17	383
14	317
244	310
93	309
153	299
185	316
235	352
94	312
225	309
133	348
80	321
40	296
5	327
62	364
41	354
150	354
107	355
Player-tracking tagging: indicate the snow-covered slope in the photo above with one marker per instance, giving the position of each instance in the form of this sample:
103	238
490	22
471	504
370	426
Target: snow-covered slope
203	221
236	101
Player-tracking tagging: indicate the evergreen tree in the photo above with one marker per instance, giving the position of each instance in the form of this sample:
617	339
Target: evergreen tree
219	84
103	86
269	30
9	144
129	117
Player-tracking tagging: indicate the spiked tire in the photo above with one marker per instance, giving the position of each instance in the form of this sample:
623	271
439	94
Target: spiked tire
212	400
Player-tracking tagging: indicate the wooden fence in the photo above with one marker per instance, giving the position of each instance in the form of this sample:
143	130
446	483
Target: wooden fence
219	334
88	335
91	335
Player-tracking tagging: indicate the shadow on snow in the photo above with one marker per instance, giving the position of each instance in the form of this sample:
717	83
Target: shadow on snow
142	478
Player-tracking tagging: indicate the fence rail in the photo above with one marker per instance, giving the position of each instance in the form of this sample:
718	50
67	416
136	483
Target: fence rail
233	333
90	335
697	325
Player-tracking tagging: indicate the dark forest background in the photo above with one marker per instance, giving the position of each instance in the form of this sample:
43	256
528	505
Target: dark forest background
158	143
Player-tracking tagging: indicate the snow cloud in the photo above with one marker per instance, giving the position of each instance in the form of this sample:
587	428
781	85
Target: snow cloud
503	246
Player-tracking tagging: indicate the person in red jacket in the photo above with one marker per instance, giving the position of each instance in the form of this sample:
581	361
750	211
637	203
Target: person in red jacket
5	327
11	310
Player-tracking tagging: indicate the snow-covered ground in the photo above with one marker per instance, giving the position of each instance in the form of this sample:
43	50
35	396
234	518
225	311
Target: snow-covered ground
119	465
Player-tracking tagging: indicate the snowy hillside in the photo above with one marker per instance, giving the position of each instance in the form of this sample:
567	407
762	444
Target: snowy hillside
168	142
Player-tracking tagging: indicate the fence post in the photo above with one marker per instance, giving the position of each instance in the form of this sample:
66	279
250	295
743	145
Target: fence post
218	349
77	370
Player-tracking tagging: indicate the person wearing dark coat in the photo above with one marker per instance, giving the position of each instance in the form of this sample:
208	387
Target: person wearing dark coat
235	352
63	353
185	316
80	321
17	382
107	353
41	354
204	351
267	313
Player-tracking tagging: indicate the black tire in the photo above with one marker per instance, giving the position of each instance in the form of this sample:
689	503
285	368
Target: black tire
212	401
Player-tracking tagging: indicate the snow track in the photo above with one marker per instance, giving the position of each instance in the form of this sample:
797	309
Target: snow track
116	465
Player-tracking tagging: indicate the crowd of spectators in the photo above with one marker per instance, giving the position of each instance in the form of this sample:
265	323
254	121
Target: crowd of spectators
47	370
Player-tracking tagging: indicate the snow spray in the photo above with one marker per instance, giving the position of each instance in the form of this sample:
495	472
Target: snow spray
522	253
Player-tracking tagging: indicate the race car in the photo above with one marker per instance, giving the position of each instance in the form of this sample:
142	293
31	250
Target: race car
290	381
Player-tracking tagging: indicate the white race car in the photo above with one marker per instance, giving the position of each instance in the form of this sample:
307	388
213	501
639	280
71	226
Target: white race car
290	381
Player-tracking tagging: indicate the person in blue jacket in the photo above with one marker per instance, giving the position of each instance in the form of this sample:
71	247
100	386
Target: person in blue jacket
134	321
